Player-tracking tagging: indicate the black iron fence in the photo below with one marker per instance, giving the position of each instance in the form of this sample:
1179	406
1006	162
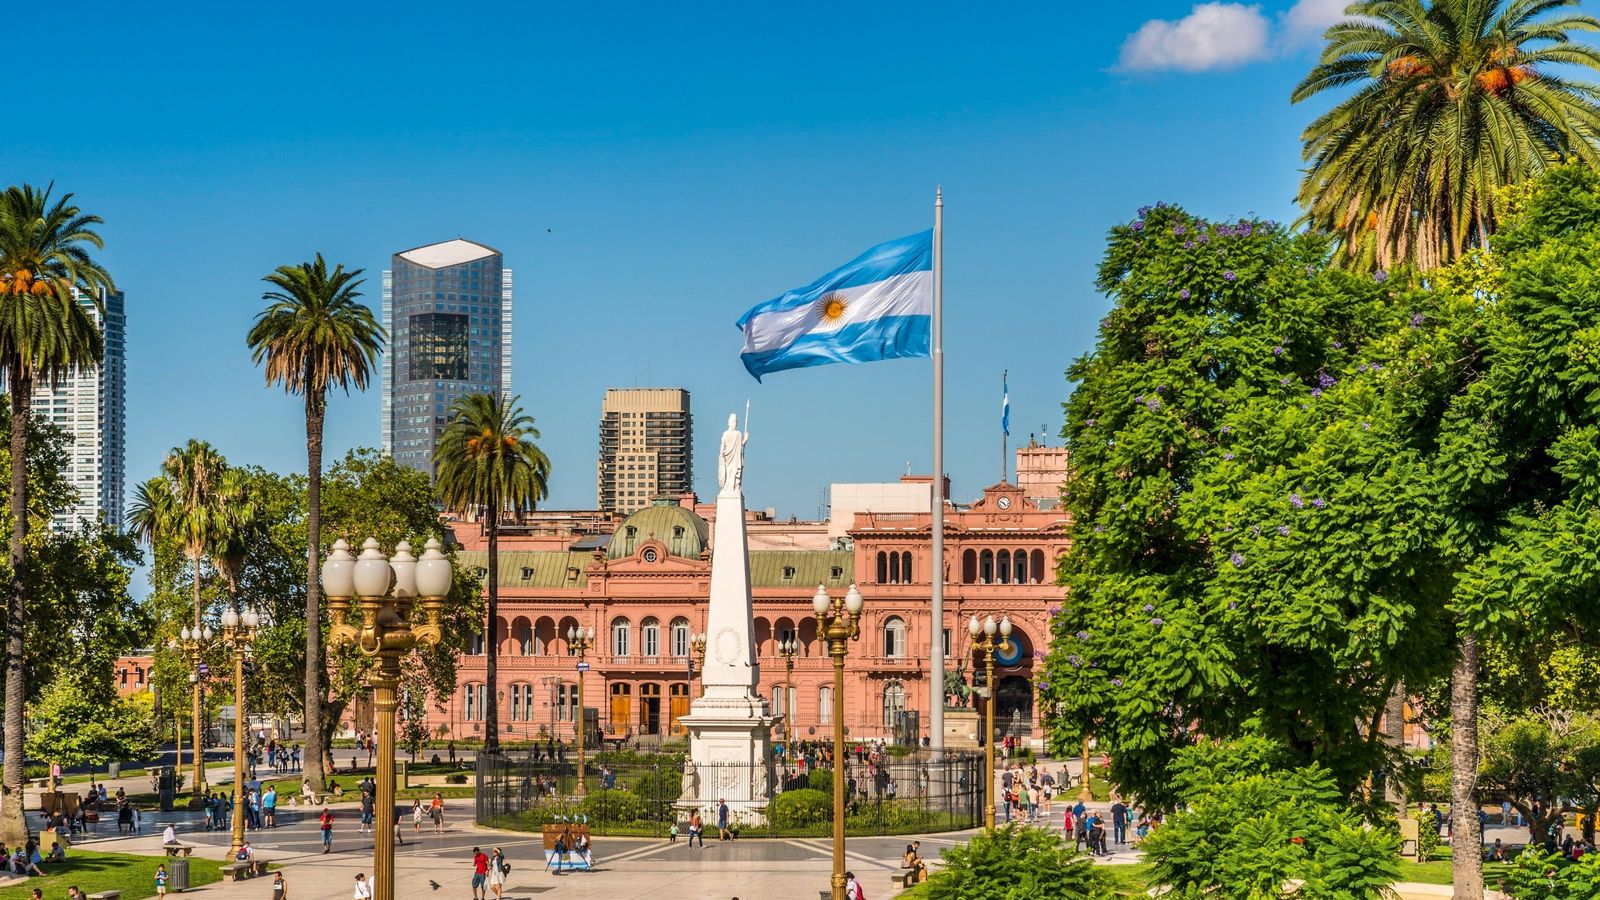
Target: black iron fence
649	794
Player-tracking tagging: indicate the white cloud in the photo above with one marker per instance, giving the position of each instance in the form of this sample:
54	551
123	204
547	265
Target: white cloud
1211	36
1308	19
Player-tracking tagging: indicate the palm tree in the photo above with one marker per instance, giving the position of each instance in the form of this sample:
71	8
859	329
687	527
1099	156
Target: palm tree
486	462
45	332
315	336
1454	100
190	505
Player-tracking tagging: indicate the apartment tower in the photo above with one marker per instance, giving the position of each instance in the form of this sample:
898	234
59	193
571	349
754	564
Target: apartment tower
447	308
646	447
91	407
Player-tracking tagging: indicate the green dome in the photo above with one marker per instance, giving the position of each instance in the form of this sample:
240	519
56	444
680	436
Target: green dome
680	529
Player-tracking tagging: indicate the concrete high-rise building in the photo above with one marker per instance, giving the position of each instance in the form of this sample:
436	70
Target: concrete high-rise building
91	407
447	308
646	447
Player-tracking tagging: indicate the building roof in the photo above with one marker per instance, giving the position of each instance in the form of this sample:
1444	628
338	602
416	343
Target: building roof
533	568
771	568
680	529
447	253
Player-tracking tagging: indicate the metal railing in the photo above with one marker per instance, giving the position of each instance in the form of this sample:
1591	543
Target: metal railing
645	795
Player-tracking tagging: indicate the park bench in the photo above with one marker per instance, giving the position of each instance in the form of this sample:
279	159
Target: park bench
106	895
568	860
902	880
239	871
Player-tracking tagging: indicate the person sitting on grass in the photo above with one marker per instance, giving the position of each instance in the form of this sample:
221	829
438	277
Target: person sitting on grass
22	865
58	853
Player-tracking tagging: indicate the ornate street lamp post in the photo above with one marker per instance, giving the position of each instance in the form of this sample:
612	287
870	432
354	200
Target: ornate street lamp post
580	640
838	623
385	591
194	641
984	641
238	632
788	649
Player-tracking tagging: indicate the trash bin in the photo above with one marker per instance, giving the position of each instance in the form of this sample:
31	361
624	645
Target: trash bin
177	873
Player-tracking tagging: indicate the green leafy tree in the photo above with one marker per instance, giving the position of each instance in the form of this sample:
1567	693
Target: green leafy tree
1541	758
1250	506
315	336
1453	100
488	464
45	333
79	721
1538	876
1015	863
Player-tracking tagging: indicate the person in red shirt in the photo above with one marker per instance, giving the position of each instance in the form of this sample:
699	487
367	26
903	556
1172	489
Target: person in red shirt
325	822
480	875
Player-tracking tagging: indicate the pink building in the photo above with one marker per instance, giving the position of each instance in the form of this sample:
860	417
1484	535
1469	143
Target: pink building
642	585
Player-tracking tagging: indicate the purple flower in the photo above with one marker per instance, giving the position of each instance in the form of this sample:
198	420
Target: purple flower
1157	622
1227	429
1160	388
1188	245
1144	211
1255	530
1205	238
1099	528
1284	382
1315	392
1178	230
1055	611
1138	225
1044	685
1089	422
1380	276
1296	502
1318	502
1232	605
1153	404
1236	558
1366	426
1138	398
1116	682
1229	276
1277	351
1227	529
1326	380
1161	204
1083	635
1093	664
1148	608
1183	294
1075	660
1361	368
1304	407
1338	346
1227	456
1376	367
1283	530
1246	230
1416	319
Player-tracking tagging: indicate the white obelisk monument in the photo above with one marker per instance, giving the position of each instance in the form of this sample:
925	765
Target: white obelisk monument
729	727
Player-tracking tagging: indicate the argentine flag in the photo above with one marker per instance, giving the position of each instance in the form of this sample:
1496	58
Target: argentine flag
877	306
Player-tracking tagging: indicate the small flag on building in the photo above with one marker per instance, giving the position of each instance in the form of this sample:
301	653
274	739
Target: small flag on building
877	306
1005	407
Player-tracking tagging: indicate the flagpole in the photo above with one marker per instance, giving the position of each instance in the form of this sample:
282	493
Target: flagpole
1005	398
936	657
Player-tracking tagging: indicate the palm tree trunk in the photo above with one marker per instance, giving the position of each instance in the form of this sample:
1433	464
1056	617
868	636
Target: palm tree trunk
316	409
13	826
196	781
1466	836
491	729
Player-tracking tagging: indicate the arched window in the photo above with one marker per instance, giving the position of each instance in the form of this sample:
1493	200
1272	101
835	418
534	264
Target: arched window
621	637
680	637
1038	567
783	630
894	702
883	567
566	702
1002	566
475	702
894	568
894	637
475	643
544	635
650	637
1019	562
986	567
808	636
969	567
905	567
522	636
825	709
138	675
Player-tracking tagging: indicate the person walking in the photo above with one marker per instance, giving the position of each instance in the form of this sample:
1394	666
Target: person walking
161	880
722	821
416	816
497	873
480	874
269	806
852	887
436	810
367	806
1119	821
363	889
696	830
280	888
325	823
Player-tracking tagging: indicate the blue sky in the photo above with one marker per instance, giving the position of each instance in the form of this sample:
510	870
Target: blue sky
650	171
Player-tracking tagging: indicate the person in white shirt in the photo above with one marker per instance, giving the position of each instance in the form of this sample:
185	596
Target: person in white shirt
363	888
169	835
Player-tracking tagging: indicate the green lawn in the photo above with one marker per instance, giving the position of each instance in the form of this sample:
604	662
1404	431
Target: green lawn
1437	870
134	876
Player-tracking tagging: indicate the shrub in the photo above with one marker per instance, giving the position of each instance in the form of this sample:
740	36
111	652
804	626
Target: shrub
613	806
456	778
1019	863
1248	826
1428	839
1535	876
659	789
821	780
799	808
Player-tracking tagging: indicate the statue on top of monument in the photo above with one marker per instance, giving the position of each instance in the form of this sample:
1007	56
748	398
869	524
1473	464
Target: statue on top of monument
730	457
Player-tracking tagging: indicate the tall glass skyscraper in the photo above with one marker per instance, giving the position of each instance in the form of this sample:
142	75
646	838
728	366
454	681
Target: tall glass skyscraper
447	308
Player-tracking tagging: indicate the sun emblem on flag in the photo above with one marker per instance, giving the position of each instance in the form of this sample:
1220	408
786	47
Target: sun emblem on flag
831	308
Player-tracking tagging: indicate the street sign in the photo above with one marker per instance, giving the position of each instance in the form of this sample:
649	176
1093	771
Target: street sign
583	667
